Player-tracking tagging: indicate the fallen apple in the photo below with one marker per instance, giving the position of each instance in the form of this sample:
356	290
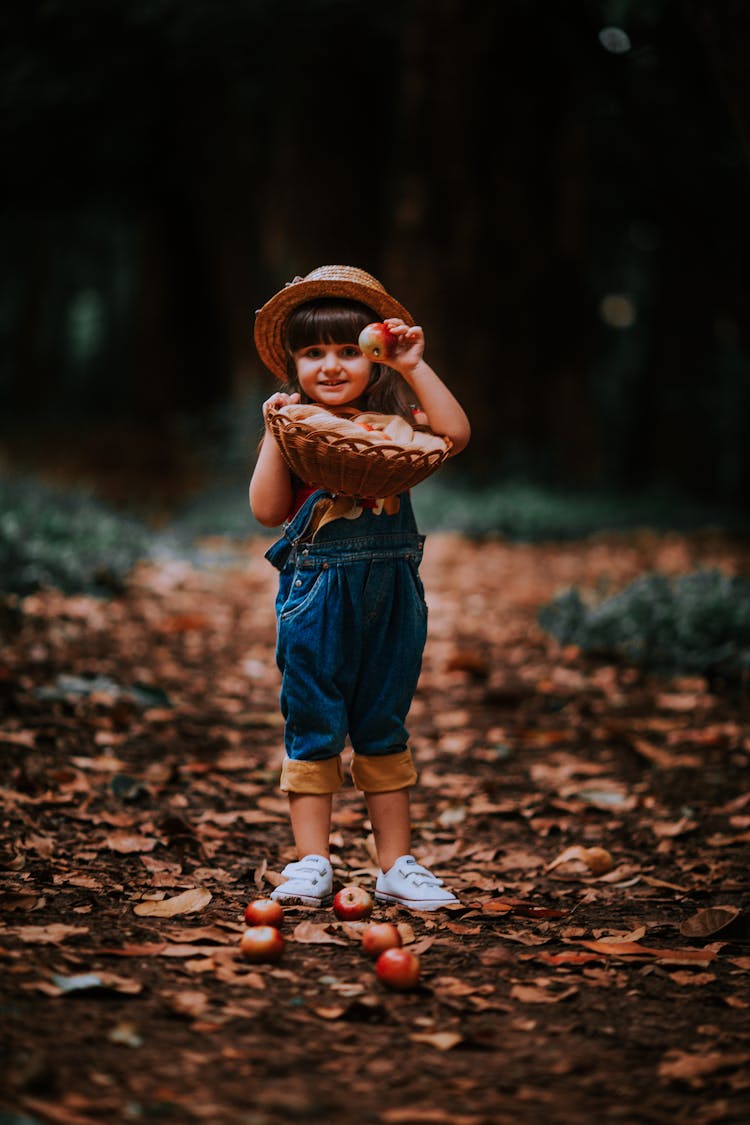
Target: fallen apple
379	937
377	341
261	943
398	968
352	904
264	912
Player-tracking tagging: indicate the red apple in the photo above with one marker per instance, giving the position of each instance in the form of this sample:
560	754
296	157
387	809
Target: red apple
377	341
398	968
352	903
264	912
380	936
261	943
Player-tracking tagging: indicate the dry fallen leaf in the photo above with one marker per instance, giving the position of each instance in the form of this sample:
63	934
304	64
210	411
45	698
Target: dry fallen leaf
665	759
134	949
86	982
421	1115
189	1003
453	986
578	860
532	994
189	902
313	933
127	842
635	949
709	921
567	957
693	1067
694	980
56	1113
495	906
48	935
441	1040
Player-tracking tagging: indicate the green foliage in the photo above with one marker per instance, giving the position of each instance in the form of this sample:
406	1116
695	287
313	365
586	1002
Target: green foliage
528	512
69	541
697	623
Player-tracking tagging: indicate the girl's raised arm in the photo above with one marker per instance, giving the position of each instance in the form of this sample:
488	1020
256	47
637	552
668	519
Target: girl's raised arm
445	414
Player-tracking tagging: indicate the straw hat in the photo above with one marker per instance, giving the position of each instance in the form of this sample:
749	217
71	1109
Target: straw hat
325	281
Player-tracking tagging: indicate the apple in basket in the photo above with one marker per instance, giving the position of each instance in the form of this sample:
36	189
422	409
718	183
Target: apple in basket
377	341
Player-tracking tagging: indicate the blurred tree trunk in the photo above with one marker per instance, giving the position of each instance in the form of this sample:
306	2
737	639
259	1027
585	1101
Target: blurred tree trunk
487	224
723	27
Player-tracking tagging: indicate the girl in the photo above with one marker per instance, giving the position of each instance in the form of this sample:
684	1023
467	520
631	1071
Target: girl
352	621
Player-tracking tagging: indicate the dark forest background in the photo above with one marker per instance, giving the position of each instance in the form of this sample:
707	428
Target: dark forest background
559	192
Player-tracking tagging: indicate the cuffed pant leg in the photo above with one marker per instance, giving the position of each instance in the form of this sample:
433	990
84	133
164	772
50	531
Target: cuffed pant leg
326	776
383	773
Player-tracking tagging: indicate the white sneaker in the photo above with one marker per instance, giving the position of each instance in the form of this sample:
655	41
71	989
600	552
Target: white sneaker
409	884
309	881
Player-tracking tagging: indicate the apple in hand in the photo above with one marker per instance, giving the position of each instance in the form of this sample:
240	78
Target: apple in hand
377	342
380	936
261	943
398	968
352	904
264	912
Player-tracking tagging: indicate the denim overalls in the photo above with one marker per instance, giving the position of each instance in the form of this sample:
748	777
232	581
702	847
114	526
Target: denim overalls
352	625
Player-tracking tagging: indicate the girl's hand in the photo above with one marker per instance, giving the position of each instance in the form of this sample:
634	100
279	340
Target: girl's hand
409	348
276	401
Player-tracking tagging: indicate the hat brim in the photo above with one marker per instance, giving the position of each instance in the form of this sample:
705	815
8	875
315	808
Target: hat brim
271	319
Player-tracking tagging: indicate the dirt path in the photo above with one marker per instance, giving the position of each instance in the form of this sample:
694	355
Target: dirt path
140	745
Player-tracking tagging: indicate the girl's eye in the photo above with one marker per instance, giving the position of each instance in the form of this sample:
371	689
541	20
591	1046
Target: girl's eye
350	351
313	352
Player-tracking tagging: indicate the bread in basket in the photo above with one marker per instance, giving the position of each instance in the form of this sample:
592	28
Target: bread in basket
367	456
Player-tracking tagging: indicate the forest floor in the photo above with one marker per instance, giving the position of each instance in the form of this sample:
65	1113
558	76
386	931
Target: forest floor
140	749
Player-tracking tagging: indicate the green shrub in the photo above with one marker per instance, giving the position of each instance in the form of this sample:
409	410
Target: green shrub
51	538
522	511
697	623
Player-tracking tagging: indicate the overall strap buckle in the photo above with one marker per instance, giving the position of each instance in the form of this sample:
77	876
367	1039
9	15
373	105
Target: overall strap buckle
279	553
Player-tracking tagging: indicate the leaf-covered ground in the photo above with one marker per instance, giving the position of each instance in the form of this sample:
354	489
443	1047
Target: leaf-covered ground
140	748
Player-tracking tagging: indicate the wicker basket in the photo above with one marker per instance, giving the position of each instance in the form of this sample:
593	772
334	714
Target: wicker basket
350	465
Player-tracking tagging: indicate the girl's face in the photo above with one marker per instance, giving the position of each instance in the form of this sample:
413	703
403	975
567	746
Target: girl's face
332	374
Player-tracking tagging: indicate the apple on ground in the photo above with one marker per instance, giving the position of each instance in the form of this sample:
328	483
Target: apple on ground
261	944
377	341
264	912
380	936
352	903
398	968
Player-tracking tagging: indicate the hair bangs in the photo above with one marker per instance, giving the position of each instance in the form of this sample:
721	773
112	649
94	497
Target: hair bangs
326	322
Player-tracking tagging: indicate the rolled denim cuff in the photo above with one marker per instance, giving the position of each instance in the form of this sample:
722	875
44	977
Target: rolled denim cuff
326	776
383	773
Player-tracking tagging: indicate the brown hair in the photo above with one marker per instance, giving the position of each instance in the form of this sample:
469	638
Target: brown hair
340	321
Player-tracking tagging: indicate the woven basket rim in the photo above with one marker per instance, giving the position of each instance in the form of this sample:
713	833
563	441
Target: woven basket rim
329	459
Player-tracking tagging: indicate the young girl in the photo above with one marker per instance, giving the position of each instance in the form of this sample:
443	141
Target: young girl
352	621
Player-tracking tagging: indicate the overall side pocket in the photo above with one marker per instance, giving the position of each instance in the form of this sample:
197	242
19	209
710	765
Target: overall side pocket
417	585
302	591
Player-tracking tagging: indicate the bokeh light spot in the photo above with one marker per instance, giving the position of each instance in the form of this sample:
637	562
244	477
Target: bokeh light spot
617	310
614	40
86	324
